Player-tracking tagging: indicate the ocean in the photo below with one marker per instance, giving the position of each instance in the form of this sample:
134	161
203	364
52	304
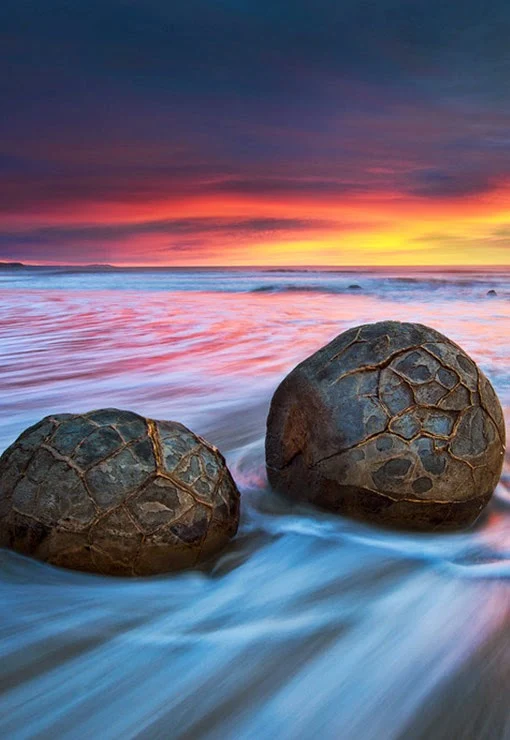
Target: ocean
309	625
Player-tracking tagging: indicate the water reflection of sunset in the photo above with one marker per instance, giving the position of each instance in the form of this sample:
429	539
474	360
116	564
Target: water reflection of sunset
151	351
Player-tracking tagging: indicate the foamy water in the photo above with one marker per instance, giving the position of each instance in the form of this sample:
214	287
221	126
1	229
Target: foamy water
309	625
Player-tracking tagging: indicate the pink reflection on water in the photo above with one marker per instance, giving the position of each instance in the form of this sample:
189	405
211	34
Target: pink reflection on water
159	352
360	630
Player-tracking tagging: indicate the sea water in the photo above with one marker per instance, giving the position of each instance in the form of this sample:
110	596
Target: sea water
309	625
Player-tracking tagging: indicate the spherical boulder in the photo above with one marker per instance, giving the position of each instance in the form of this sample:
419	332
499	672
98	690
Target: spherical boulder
391	423
112	492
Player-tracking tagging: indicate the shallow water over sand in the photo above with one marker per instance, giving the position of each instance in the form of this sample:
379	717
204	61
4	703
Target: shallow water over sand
309	625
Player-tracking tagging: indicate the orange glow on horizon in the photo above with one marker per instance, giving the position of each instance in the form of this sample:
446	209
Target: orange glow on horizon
378	229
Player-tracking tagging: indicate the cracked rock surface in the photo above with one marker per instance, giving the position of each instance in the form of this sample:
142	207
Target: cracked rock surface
392	423
112	492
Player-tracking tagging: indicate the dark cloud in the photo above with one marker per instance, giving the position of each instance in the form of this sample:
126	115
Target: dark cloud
441	184
57	243
289	186
139	184
168	227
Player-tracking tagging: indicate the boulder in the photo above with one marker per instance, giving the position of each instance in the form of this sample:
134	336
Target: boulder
115	493
392	423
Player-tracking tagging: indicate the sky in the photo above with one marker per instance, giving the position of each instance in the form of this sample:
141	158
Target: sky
264	132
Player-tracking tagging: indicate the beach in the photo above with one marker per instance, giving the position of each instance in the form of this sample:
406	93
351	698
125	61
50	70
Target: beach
309	624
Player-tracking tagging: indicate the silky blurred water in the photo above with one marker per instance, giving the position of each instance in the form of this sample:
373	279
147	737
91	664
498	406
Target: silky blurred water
309	625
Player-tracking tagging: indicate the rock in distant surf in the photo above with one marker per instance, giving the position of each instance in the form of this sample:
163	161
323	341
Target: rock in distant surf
392	423
112	492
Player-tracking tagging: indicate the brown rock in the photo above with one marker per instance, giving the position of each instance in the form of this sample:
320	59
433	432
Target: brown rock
391	423
115	493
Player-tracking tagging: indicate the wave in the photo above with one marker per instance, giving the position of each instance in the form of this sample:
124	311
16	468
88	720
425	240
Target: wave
305	288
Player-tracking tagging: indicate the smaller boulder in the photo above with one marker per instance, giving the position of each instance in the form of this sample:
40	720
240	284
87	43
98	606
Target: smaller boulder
492	293
113	492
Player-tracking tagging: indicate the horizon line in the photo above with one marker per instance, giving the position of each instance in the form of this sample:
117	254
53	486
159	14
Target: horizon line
13	264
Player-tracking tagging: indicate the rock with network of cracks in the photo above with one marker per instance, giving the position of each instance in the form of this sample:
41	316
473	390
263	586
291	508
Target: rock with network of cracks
115	493
391	423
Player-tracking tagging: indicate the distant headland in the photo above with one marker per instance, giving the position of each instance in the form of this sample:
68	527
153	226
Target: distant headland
22	266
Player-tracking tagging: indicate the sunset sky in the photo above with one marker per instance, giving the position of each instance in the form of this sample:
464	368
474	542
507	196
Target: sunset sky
233	132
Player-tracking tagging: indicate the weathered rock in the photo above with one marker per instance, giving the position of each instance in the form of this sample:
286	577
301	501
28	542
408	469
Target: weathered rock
112	492
391	423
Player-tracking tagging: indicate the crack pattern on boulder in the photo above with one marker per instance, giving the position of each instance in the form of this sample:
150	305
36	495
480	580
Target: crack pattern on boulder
112	492
392	423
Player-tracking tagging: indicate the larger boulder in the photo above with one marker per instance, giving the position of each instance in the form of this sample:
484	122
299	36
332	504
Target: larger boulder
112	492
392	423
